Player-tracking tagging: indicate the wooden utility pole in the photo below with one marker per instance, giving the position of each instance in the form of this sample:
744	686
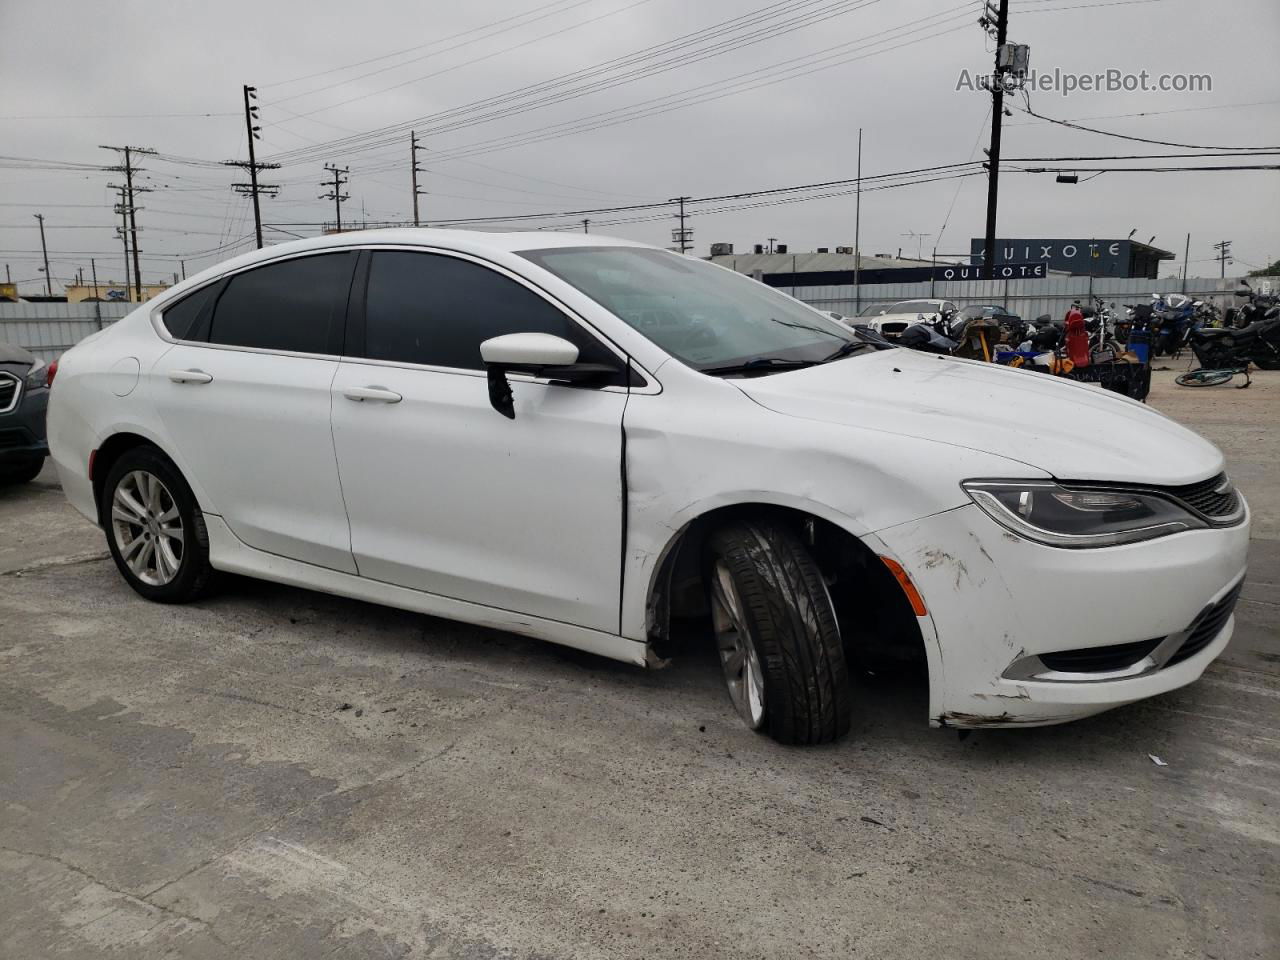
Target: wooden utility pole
130	210
253	188
857	232
681	236
997	118
414	170
48	282
335	193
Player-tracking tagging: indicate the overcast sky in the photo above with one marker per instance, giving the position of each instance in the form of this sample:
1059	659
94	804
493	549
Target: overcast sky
80	73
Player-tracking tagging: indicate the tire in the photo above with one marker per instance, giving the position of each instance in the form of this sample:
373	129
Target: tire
1203	378
170	562
786	632
24	471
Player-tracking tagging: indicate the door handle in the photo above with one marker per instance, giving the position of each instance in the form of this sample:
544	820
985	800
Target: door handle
190	376
378	394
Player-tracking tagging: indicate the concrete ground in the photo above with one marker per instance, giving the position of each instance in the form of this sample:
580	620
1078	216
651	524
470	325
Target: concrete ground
278	773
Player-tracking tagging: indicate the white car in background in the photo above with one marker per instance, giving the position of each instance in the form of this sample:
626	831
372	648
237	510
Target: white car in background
890	321
586	440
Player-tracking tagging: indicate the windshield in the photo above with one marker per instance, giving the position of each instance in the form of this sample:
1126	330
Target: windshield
704	315
915	306
874	310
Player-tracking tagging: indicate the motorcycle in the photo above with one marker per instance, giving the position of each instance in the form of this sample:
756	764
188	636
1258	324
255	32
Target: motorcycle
1174	316
1258	343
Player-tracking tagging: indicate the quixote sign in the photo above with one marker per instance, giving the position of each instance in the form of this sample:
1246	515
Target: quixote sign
1002	271
1093	257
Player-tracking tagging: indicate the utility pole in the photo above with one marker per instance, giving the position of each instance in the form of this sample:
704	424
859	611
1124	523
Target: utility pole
772	241
1224	254
48	283
1012	61
335	193
997	117
414	170
681	236
131	208
1186	263
585	224
183	265
857	230
919	238
253	188
93	265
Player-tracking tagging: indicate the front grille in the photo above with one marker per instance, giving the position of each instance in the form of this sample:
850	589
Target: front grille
1215	498
1117	656
892	327
8	392
1208	626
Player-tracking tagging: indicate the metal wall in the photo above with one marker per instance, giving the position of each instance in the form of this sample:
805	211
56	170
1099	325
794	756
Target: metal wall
1027	298
47	329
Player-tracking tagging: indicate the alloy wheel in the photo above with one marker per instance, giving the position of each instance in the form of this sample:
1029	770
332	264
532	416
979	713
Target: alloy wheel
738	659
147	527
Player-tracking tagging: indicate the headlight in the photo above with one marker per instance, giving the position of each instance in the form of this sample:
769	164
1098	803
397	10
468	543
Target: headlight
36	376
1059	516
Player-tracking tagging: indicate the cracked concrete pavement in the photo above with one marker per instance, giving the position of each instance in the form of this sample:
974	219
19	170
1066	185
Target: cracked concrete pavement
279	773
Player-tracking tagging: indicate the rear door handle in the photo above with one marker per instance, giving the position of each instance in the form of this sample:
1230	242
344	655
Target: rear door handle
190	376
378	394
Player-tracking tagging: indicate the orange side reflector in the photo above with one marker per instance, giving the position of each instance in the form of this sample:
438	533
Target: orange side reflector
909	588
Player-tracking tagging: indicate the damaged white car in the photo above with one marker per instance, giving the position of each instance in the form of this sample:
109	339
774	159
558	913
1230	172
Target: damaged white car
585	439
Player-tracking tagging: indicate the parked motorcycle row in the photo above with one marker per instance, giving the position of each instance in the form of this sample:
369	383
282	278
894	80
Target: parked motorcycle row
1099	344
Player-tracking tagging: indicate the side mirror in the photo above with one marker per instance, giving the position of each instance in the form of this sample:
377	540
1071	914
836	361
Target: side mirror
540	354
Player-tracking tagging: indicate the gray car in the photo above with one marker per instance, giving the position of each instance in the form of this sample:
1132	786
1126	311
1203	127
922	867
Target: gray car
24	396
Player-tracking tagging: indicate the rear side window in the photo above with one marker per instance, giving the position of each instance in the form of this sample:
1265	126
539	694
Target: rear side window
296	305
436	310
180	319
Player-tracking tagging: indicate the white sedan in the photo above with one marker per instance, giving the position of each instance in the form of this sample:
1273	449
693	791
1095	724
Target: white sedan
892	319
584	440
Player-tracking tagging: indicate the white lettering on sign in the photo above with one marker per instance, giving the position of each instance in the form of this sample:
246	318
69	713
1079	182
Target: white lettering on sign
1069	247
1114	249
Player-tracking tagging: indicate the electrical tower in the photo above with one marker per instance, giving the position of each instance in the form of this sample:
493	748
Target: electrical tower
414	170
130	211
682	236
1012	60
1223	257
253	188
335	190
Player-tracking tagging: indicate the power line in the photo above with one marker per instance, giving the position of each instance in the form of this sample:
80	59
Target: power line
1121	136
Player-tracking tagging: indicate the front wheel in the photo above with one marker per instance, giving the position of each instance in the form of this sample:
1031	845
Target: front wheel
1203	378
779	642
155	529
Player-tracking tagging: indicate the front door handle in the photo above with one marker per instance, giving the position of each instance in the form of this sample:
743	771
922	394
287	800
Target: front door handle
378	394
190	376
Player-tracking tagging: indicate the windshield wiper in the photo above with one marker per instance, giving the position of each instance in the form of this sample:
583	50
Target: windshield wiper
846	348
760	365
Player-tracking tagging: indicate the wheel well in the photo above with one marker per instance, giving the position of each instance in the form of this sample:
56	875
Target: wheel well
111	450
874	613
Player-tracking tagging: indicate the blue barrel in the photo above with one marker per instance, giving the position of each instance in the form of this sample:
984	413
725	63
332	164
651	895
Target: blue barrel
1140	343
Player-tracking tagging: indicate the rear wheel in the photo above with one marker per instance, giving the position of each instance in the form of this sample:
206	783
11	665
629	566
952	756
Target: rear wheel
24	471
779	643
155	529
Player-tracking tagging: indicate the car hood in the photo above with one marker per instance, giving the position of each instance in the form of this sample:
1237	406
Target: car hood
12	353
1067	429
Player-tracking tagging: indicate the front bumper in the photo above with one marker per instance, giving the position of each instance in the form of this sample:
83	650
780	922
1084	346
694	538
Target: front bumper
22	430
998	602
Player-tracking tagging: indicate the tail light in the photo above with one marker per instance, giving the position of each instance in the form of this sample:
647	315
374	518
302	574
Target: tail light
51	372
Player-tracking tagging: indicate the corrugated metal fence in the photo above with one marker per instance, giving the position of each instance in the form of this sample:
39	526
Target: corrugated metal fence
1027	298
47	329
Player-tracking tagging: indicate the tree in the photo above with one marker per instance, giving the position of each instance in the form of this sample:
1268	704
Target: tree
1271	270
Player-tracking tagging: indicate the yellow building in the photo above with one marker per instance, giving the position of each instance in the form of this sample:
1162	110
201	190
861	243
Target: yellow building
112	292
8	291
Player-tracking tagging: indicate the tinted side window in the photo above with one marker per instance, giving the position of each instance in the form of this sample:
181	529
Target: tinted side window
293	305
435	310
180	318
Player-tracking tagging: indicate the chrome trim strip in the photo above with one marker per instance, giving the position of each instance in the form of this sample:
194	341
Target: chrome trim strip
17	391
